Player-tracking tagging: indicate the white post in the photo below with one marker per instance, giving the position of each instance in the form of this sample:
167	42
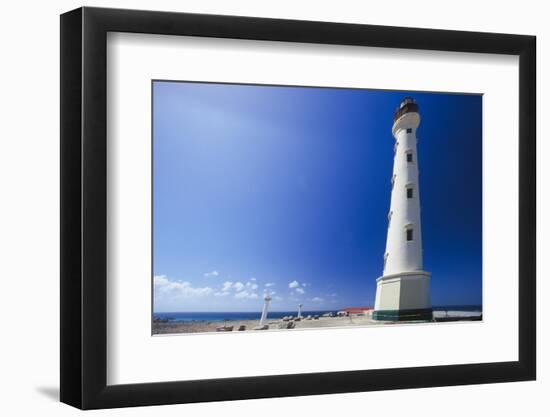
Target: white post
403	291
299	311
263	319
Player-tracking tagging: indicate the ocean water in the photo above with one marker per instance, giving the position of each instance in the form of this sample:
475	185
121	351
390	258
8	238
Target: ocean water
221	316
233	315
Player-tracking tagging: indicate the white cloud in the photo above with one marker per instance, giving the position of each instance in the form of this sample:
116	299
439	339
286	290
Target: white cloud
317	299
246	294
252	279
296	287
164	286
241	290
293	284
269	284
211	274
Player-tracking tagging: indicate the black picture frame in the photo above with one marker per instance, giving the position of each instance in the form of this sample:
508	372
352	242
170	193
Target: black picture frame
84	207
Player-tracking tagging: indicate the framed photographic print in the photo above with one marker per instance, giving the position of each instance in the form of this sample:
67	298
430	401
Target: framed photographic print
258	207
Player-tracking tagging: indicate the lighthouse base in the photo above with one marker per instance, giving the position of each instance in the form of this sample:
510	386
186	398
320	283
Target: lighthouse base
403	297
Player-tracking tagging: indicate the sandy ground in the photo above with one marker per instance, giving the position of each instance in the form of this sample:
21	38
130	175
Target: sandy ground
275	324
205	326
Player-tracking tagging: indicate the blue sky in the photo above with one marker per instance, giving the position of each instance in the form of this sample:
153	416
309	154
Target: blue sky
288	189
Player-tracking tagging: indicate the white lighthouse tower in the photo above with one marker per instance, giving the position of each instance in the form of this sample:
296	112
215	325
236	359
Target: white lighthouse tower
403	290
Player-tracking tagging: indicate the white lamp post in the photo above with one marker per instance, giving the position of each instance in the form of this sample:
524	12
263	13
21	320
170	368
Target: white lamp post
263	318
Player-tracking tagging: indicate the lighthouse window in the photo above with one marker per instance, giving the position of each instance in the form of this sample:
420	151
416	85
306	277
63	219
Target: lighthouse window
409	192
409	235
409	157
409	130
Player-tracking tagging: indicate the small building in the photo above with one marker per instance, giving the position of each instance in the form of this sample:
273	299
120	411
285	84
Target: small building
356	310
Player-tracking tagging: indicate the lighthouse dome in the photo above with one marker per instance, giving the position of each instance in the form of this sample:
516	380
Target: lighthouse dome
407	115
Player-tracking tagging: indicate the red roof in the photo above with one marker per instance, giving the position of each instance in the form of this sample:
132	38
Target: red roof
356	309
